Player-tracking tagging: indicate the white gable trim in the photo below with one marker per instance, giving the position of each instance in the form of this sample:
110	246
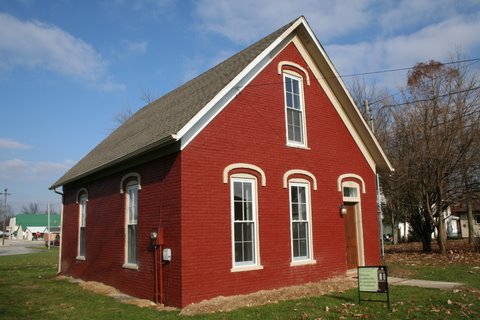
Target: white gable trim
231	90
227	94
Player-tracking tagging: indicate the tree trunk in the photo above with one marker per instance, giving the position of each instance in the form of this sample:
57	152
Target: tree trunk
442	235
426	244
471	230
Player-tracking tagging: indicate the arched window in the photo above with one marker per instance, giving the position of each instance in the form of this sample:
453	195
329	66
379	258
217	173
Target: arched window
131	185
244	215
300	221
82	199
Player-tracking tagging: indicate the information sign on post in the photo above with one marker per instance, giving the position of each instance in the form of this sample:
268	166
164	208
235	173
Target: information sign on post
373	279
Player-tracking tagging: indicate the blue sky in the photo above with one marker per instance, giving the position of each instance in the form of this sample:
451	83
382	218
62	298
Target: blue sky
68	67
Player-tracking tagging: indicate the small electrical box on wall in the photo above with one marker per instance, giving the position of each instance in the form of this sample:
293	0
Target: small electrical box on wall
167	254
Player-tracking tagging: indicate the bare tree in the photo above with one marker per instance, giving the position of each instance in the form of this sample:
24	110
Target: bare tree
31	208
432	135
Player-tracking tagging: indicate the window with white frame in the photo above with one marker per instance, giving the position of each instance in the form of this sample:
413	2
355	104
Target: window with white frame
82	223
350	191
295	115
244	222
300	217
131	223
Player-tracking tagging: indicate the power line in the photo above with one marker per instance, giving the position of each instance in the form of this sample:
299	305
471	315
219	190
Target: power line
431	98
473	60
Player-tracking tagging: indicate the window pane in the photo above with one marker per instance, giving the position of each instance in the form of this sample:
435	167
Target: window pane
248	251
296	102
295	86
238	211
132	244
288	84
247	191
295	230
302	215
296	250
82	242
237	191
248	231
248	211
289	100
295	214
238	252
303	248
302	197
294	193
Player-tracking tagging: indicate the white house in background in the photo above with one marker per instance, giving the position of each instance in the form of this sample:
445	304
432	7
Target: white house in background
34	233
19	224
460	211
452	224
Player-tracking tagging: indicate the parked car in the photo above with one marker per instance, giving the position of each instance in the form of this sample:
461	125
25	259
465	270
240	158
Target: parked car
54	243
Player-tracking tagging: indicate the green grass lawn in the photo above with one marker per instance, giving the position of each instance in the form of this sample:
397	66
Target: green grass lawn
29	290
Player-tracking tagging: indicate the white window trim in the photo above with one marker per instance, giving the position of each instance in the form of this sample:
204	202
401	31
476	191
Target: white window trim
310	259
299	78
244	177
129	265
82	206
353	185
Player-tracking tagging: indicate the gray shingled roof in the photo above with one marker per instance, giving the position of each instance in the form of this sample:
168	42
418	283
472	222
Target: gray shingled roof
158	121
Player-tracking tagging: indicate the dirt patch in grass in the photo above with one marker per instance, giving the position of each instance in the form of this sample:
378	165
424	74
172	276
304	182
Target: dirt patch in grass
224	304
103	289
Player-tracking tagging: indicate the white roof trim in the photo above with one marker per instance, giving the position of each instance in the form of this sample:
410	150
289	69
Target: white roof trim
230	91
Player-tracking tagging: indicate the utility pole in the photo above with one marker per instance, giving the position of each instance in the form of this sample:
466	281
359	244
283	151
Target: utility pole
5	194
369	116
48	212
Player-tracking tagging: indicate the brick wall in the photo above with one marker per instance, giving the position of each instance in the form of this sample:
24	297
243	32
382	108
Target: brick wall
158	204
252	130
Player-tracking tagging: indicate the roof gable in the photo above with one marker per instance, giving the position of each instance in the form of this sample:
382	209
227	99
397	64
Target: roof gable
181	114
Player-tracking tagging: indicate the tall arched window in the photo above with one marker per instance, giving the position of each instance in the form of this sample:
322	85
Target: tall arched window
82	199
131	189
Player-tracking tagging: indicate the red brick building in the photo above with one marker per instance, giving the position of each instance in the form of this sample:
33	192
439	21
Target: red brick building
242	172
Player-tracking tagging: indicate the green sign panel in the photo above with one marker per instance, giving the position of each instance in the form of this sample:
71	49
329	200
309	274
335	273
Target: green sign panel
374	280
368	279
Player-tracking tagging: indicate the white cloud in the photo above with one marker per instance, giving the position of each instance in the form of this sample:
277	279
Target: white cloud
19	170
359	36
248	20
12	144
137	47
435	41
35	44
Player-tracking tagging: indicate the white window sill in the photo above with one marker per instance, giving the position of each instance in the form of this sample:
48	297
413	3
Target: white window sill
132	266
302	262
81	258
246	268
298	146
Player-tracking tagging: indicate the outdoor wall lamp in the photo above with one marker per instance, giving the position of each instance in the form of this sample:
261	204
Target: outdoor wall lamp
343	209
153	235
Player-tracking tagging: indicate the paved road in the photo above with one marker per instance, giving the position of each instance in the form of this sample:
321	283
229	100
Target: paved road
12	247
